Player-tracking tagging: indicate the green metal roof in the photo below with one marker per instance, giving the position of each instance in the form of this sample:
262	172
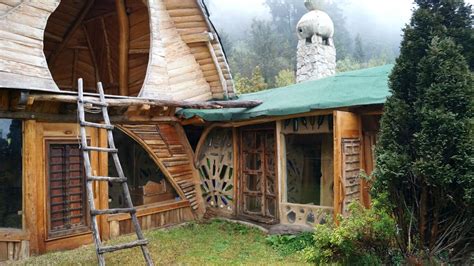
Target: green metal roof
361	87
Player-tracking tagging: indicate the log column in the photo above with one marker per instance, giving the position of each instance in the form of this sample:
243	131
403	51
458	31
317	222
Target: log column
124	46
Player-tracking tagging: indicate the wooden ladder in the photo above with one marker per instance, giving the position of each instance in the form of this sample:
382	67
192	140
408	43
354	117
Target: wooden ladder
101	249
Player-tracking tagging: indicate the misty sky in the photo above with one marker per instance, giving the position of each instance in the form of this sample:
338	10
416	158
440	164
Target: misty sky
381	18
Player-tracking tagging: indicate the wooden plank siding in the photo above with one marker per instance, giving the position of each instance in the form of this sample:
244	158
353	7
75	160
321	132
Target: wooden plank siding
173	50
189	21
169	148
22	62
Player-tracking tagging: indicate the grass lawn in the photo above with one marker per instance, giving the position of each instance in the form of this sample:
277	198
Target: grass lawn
216	242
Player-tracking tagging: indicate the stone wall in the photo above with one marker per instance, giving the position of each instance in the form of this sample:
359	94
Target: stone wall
315	59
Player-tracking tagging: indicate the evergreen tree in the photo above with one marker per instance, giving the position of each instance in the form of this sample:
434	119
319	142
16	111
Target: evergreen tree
425	154
359	53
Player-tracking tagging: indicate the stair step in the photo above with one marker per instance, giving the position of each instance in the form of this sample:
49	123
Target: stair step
107	178
96	125
88	148
113	211
106	249
98	103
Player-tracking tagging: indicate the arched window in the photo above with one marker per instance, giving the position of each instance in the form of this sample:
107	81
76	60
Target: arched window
146	181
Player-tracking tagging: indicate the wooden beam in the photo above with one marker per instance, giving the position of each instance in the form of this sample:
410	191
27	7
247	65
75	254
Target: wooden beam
70	32
131	101
51	36
124	45
72	118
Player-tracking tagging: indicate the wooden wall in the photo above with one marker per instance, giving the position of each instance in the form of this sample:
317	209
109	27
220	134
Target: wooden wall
171	52
152	216
168	147
22	63
14	245
189	20
35	183
370	129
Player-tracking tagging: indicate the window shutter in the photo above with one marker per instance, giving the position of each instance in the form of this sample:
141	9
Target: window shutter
67	195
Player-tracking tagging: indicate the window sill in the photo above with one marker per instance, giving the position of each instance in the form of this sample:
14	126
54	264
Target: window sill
149	209
13	235
307	206
58	236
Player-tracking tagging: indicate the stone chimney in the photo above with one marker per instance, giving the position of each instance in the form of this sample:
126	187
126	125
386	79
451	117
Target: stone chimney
316	55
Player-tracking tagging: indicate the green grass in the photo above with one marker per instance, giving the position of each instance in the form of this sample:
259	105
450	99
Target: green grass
216	242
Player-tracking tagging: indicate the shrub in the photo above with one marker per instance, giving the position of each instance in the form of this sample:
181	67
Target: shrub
290	244
365	237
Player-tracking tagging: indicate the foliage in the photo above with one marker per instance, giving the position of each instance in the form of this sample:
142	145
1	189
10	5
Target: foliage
287	13
359	53
350	64
254	84
214	243
269	50
290	244
426	146
365	237
284	78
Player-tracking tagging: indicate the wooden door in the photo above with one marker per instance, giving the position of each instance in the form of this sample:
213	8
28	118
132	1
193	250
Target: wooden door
347	159
258	183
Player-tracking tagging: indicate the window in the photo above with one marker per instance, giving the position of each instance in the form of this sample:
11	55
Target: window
309	169
67	206
146	182
10	173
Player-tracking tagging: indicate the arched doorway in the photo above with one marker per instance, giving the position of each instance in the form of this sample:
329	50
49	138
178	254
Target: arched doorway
106	40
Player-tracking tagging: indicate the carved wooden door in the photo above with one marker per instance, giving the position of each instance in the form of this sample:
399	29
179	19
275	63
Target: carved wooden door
259	189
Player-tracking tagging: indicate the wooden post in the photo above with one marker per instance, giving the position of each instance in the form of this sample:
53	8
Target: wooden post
124	44
30	189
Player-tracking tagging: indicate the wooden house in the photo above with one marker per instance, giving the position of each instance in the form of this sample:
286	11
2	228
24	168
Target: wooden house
296	158
152	56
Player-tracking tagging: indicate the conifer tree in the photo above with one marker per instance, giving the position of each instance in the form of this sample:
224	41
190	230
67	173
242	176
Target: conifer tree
425	154
359	53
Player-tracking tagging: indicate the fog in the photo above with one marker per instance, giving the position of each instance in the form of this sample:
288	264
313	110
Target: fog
380	20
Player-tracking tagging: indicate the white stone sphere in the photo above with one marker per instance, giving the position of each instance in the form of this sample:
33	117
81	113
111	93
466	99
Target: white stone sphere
315	22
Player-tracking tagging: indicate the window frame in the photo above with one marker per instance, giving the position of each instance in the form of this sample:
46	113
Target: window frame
85	229
284	131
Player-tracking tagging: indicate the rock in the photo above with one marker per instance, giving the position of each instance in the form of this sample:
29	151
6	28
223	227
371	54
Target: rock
315	61
284	229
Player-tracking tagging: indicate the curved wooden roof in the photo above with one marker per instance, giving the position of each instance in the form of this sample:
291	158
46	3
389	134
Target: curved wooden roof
173	49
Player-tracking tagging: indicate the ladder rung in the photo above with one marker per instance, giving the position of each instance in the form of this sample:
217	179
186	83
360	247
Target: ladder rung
89	124
95	103
133	244
113	211
107	178
88	148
